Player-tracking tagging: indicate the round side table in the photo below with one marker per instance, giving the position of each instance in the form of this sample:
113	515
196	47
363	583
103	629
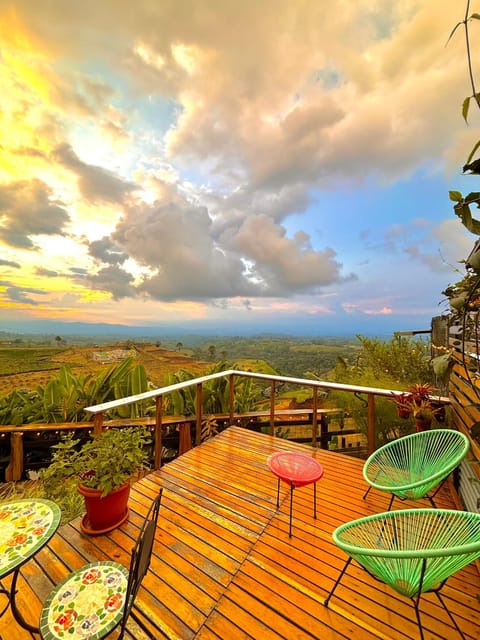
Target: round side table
297	470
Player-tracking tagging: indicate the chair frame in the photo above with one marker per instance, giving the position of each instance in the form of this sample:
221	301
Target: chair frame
415	488
139	564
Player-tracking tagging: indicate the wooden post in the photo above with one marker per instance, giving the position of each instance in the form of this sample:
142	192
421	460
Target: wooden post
371	440
157	443
14	470
185	438
231	397
324	431
198	432
272	408
98	423
315	417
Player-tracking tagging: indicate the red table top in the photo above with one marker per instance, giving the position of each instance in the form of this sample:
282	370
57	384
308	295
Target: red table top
298	469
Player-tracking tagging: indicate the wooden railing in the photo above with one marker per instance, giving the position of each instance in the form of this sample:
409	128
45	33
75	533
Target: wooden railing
316	385
157	423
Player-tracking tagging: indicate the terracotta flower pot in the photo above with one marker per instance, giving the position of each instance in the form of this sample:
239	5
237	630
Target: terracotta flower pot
423	424
104	513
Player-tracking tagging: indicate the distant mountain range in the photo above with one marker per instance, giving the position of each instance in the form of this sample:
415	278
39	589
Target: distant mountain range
304	328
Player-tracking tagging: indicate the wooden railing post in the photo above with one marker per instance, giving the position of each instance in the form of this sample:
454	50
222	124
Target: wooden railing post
14	470
198	432
315	417
231	396
157	452
371	440
272	408
98	423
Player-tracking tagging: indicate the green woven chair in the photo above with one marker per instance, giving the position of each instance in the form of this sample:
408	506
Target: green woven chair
410	467
412	550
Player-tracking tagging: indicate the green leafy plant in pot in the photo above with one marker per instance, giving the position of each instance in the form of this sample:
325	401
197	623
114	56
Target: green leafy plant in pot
101	470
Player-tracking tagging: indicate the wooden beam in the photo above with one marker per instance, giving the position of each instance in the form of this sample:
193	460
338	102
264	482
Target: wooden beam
14	470
158	433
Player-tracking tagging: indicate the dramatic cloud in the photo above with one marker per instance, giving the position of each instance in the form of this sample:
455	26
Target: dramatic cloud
281	264
95	183
174	241
49	273
19	294
115	280
28	209
10	263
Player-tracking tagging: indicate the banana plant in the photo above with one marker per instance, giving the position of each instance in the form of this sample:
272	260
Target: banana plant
135	381
15	406
215	393
181	401
64	397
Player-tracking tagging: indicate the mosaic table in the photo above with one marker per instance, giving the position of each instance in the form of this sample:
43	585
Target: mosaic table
25	527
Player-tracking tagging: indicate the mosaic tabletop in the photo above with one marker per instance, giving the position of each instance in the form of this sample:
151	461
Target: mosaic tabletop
25	527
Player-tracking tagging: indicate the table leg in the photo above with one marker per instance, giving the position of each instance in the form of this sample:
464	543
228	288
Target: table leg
315	500
16	613
6	593
291	505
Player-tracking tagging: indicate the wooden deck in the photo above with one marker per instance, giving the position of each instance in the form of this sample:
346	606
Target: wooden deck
224	567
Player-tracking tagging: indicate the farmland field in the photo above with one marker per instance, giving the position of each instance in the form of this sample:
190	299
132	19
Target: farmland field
27	368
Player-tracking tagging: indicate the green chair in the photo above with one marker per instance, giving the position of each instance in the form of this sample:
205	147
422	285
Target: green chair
411	550
410	467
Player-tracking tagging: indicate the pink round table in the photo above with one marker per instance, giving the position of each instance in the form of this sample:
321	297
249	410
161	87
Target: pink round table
297	470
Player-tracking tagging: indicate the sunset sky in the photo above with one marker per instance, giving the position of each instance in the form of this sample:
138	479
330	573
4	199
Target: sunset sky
270	165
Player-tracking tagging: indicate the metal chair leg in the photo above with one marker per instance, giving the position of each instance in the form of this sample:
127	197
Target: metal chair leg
391	501
439	596
337	582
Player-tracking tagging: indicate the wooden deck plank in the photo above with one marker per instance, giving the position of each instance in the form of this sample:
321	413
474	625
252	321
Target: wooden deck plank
224	567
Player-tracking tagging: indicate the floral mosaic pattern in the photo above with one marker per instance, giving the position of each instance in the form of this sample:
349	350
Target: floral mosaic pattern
87	604
25	526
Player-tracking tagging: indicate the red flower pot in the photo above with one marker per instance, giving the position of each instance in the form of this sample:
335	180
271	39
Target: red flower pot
104	513
423	424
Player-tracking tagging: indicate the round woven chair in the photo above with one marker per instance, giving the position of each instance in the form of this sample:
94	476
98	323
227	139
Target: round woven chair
410	467
412	550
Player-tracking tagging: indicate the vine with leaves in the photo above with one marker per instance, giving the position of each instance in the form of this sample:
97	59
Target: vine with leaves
464	296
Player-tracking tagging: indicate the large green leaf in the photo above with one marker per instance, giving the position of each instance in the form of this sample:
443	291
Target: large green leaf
465	107
462	210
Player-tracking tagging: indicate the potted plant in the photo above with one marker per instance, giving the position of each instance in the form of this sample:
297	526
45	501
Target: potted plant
417	401
423	415
423	411
403	404
409	400
421	391
102	470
